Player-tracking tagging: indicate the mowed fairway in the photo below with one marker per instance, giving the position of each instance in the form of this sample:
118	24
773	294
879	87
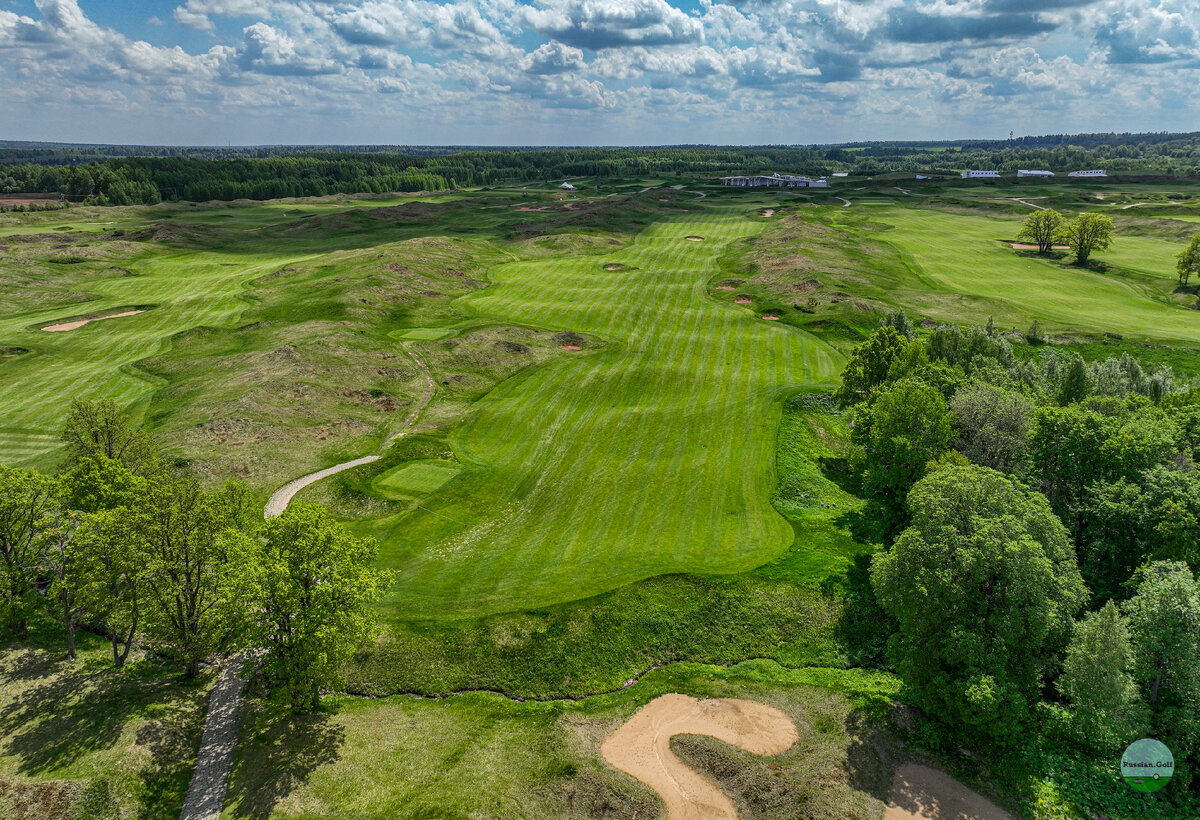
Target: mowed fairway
653	454
964	254
96	361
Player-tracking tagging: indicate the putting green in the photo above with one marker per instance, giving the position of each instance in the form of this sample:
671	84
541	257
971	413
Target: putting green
415	479
654	454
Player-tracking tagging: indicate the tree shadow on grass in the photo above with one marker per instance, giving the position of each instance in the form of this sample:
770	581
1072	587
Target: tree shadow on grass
279	752
871	754
173	743
862	628
75	711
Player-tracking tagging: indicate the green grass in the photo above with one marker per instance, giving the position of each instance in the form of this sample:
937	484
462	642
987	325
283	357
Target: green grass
415	479
79	726
965	255
424	334
483	756
649	456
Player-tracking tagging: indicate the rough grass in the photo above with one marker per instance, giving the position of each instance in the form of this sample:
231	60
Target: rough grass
83	734
484	756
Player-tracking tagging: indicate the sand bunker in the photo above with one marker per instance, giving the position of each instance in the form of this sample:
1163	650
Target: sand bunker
570	347
641	747
694	238
724	287
743	301
614	267
771	318
1025	246
768	212
81	322
921	793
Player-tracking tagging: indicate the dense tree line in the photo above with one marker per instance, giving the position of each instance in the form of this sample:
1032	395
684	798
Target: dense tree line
119	545
126	175
1041	520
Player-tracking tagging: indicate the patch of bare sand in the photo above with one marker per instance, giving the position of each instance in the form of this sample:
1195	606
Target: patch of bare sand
642	747
694	238
769	212
771	318
81	322
571	347
723	287
743	301
923	793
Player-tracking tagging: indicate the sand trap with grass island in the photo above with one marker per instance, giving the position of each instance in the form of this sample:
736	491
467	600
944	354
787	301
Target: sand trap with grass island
923	793
641	747
81	322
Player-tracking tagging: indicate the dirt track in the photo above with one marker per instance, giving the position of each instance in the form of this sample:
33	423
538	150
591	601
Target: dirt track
641	747
922	793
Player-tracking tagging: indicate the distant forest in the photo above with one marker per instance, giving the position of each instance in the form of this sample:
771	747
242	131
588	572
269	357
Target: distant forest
124	175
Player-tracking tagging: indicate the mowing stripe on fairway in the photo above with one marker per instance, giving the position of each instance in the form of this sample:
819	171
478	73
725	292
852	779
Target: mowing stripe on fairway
651	455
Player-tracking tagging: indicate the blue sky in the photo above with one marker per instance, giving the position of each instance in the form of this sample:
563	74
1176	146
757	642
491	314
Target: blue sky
521	72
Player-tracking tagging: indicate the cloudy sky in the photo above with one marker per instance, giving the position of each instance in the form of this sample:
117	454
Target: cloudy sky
555	72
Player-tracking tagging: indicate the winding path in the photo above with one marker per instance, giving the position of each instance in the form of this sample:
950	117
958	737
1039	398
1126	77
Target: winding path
214	761
283	496
845	202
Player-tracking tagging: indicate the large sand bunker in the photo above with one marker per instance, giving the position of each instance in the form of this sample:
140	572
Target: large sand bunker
641	747
694	238
81	322
922	793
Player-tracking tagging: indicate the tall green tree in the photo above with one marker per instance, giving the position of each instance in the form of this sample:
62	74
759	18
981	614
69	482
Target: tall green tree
194	581
109	581
63	566
1164	629
1107	709
909	425
993	426
1041	228
1086	234
314	585
984	586
101	428
28	502
1188	264
869	364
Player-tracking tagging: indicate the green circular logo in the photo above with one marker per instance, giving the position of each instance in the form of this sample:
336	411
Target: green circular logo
1147	765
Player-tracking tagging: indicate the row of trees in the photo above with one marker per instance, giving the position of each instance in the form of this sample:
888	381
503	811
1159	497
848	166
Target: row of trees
119	545
1015	496
1084	234
125	175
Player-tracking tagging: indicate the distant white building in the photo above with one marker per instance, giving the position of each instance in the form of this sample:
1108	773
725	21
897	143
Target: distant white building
1035	173
1087	174
774	181
566	186
921	177
841	173
980	174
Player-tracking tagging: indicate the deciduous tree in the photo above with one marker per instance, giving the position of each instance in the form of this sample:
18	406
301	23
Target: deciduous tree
1041	228
192	578
1188	264
1107	710
28	501
984	587
314	583
869	364
1087	233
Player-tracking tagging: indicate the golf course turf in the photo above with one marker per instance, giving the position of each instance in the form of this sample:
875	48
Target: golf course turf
620	475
